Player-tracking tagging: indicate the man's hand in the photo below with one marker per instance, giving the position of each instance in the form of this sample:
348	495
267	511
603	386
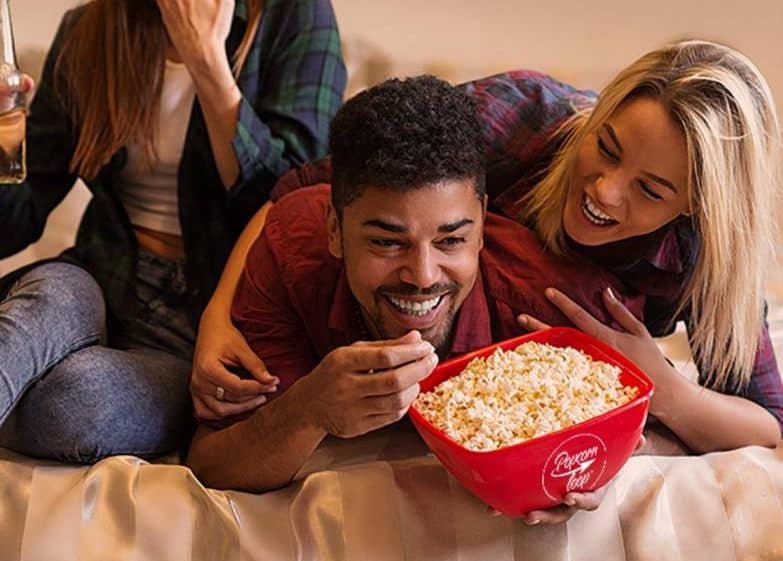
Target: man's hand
367	385
572	502
220	347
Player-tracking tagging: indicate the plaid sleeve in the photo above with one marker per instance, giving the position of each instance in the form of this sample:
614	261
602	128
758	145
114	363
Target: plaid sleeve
765	386
300	80
521	110
521	113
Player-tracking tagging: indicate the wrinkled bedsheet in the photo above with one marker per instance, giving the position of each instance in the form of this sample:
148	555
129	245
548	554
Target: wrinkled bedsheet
382	498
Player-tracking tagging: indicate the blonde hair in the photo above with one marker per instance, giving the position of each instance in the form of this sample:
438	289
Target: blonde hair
725	109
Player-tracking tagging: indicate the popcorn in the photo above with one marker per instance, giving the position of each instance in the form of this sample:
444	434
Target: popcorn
513	396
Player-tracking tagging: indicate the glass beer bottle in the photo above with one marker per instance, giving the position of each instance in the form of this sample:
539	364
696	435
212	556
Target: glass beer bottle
13	167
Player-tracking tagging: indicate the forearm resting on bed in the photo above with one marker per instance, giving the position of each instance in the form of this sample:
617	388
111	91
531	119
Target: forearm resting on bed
708	421
260	453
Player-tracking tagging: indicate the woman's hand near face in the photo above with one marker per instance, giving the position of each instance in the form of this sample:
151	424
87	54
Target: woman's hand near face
197	28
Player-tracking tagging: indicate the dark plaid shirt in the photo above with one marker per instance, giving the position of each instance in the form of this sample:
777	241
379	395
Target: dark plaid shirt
521	113
292	85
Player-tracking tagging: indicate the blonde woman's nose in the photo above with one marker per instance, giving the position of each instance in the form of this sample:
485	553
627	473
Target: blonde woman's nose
610	189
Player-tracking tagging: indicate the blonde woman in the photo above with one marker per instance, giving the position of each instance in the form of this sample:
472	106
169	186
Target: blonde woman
669	179
179	115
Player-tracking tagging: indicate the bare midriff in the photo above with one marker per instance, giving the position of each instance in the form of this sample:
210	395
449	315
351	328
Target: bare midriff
161	244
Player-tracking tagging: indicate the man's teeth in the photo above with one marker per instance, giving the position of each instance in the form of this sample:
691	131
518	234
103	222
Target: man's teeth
415	308
594	214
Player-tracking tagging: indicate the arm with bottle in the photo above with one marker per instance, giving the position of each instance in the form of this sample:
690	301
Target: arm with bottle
27	198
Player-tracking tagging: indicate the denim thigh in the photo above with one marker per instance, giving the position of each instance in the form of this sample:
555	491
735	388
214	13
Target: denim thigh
130	397
49	312
99	402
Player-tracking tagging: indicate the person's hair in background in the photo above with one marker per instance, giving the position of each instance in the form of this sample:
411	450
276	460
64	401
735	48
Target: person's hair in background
377	142
119	48
725	109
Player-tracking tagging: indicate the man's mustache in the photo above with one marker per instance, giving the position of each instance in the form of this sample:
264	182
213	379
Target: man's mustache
405	289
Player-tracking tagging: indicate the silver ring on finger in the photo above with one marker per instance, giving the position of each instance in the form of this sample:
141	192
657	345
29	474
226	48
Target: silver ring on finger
220	393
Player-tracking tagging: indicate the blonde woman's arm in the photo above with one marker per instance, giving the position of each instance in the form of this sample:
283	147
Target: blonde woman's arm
703	419
221	348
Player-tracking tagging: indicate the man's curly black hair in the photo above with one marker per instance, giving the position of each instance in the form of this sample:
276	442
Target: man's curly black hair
405	134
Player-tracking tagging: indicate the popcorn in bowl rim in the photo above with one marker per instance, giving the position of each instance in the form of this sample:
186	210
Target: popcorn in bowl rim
512	396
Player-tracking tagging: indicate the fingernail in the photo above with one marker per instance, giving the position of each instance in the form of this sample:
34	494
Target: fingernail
549	293
533	522
523	320
610	292
570	501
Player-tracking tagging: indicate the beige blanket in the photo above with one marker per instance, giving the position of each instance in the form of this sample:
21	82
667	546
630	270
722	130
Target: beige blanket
382	498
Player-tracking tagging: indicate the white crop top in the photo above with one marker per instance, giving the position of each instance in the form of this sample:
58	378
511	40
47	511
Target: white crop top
150	195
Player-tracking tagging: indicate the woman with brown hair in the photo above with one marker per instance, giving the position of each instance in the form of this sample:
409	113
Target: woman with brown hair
179	115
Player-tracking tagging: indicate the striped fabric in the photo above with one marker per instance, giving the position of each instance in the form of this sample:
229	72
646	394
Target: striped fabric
382	498
379	498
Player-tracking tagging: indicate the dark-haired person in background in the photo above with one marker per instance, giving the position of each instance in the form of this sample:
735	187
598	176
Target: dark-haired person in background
179	115
351	299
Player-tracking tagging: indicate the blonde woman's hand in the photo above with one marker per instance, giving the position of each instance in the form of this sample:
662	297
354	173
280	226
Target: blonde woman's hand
197	28
220	347
635	342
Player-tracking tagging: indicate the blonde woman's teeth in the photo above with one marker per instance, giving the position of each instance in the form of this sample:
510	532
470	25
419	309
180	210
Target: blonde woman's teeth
594	214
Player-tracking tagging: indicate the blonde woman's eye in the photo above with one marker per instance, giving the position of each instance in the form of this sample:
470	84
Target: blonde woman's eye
603	149
649	191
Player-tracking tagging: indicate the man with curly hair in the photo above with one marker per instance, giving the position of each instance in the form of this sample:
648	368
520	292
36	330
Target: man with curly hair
352	294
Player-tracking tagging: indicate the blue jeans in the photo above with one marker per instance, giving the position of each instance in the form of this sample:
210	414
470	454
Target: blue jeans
67	395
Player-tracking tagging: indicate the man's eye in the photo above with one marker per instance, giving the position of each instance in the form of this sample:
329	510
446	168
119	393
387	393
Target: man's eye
385	242
602	148
452	241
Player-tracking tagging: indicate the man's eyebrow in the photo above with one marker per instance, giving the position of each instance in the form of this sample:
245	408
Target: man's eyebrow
612	134
388	226
454	226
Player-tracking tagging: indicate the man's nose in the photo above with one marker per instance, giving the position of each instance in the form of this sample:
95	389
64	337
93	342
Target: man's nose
422	269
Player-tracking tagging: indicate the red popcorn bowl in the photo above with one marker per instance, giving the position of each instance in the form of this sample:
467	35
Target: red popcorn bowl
537	473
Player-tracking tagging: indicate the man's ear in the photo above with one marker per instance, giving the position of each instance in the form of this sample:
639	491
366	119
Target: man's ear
334	233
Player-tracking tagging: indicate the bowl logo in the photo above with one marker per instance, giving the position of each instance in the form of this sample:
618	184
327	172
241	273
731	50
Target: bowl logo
575	465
